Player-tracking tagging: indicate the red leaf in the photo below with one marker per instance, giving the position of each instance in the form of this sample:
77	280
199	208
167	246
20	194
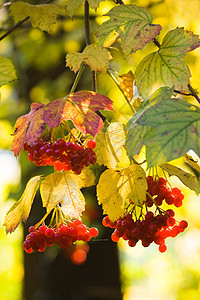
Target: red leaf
80	108
28	127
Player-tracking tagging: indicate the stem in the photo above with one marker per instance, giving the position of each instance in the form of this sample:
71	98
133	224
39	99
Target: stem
42	220
77	78
117	83
193	93
88	41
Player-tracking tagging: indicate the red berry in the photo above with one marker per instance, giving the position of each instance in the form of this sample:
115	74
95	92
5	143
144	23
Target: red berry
183	224
93	232
49	233
161	181
162	248
91	144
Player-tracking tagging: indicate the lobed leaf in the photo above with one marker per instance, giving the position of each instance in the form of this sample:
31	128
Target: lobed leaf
28	127
109	145
7	71
63	188
94	56
186	178
130	23
21	209
42	15
80	108
115	187
166	67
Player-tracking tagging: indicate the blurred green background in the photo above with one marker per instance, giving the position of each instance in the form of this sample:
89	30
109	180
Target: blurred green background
39	59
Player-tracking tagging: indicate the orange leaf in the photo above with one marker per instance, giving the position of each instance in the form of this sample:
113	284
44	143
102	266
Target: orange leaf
126	84
28	127
79	107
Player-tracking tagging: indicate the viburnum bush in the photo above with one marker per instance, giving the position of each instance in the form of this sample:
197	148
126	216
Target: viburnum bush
72	134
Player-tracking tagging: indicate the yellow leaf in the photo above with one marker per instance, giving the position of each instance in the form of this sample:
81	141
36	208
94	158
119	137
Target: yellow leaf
42	16
94	56
109	145
187	179
63	188
115	187
86	178
21	209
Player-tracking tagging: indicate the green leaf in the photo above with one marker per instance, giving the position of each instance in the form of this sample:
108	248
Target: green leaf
63	188
72	6
166	67
94	56
186	178
7	71
175	128
21	209
130	23
115	187
42	16
109	145
135	131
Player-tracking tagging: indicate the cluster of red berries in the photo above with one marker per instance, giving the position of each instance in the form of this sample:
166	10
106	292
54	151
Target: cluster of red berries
63	235
62	155
153	228
159	189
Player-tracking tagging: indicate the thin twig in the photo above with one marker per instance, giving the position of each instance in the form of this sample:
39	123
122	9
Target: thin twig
118	1
13	28
88	41
18	24
156	42
182	93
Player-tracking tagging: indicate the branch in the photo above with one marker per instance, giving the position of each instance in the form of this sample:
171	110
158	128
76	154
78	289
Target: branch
88	41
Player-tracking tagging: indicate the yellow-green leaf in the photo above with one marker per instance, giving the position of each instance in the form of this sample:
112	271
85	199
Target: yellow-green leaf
94	3
63	188
72	6
186	178
42	15
21	209
115	187
86	178
7	71
94	56
109	145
